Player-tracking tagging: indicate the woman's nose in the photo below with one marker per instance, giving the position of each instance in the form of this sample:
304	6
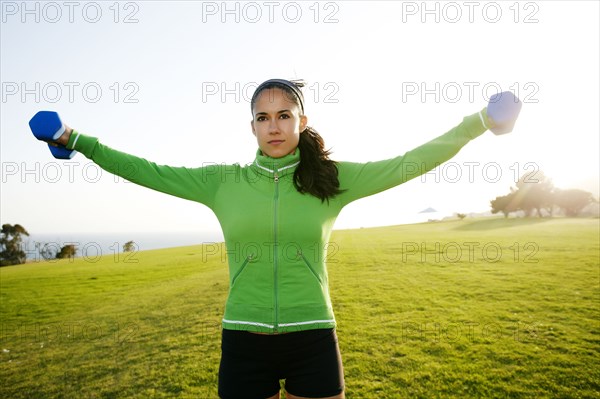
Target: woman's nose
273	127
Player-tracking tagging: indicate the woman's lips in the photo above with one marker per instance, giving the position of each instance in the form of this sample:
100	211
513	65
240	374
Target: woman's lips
276	142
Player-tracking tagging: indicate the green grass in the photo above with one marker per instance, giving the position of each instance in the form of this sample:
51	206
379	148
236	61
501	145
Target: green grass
484	308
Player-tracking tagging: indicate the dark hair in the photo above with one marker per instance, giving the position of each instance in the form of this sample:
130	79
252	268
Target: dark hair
316	174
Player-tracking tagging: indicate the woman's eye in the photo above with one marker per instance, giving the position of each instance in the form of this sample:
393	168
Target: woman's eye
261	118
284	116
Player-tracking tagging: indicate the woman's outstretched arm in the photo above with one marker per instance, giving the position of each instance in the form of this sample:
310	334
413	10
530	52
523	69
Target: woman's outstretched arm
364	179
195	184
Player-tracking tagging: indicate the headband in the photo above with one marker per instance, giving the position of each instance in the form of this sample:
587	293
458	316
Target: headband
281	82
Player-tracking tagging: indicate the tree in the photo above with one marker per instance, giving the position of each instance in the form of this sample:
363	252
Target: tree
573	201
505	204
534	192
129	246
10	245
47	250
67	251
461	216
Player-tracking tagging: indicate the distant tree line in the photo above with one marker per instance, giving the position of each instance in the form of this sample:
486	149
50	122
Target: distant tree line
48	251
11	247
535	194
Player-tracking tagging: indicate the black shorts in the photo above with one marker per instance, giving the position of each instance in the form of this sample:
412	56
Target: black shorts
252	364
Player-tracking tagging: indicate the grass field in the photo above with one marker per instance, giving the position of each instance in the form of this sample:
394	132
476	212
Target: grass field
483	308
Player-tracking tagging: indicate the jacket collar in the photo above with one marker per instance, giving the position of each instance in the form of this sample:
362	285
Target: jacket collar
267	166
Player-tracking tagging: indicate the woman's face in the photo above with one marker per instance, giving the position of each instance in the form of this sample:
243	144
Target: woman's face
277	123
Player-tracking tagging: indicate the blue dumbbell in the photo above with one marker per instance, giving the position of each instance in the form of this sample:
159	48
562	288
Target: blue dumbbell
47	126
504	109
60	151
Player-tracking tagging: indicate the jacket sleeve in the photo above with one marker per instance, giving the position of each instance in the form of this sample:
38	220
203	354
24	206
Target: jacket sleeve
363	179
195	184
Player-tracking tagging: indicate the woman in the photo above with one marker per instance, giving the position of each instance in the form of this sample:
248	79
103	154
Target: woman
278	322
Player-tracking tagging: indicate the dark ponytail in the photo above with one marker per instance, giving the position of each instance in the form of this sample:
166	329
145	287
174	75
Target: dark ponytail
316	174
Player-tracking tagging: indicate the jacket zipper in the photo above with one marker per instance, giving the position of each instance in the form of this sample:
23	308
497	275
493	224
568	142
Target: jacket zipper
275	260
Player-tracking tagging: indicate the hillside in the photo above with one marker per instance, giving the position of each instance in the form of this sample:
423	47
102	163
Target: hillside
478	308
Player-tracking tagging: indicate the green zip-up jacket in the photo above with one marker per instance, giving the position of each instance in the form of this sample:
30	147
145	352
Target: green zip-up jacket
276	237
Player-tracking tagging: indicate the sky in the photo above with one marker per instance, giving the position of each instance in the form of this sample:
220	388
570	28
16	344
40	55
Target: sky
171	82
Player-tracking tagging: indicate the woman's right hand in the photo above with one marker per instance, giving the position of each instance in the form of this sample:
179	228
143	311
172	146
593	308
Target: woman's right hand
64	138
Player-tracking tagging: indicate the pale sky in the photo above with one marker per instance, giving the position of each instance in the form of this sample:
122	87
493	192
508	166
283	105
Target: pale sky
170	81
